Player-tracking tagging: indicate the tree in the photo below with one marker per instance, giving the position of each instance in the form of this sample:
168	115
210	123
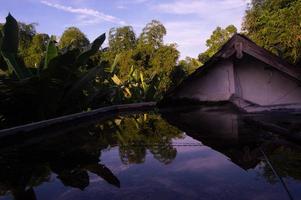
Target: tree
177	75
165	58
153	34
189	64
275	25
73	38
36	50
122	39
26	34
217	39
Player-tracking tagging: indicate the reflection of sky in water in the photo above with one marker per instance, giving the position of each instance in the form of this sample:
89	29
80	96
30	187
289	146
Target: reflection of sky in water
198	172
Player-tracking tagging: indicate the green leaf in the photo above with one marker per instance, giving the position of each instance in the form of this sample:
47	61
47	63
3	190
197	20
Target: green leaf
9	48
84	57
152	89
81	83
60	66
51	52
144	85
20	71
111	69
131	71
10	40
1	36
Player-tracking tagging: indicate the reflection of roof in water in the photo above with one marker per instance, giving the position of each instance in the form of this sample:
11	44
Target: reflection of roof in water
228	131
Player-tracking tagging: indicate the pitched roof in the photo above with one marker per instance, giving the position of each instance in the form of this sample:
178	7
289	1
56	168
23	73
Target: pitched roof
240	44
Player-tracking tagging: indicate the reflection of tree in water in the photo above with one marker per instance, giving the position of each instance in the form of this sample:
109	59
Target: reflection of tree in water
75	152
286	161
146	132
19	177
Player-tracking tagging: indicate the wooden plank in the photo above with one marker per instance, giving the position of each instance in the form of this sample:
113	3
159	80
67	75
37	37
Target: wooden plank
101	112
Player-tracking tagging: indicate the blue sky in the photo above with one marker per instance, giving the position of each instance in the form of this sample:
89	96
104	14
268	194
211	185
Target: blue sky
188	22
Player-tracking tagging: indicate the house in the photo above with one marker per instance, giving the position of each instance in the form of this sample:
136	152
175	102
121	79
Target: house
246	75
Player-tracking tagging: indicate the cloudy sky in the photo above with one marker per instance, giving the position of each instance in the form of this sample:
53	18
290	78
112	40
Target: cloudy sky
188	22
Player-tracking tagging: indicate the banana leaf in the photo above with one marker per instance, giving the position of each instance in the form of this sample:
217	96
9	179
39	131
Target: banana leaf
84	57
9	48
3	65
105	173
127	92
116	80
10	40
82	83
144	85
1	36
51	52
20	71
112	68
60	67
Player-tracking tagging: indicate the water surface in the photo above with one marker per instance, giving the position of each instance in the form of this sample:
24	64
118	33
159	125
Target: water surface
190	154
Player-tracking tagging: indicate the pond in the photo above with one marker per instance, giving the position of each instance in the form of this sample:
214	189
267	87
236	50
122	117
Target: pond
185	154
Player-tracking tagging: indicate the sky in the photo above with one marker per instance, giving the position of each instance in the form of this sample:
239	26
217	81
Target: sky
189	23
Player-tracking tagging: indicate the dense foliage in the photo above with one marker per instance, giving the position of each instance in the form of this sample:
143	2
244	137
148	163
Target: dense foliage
147	54
56	87
217	39
46	79
275	25
73	38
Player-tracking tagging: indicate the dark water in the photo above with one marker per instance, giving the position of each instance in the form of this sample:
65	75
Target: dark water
174	155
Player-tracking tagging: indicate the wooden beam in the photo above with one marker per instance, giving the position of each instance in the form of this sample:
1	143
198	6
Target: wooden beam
77	117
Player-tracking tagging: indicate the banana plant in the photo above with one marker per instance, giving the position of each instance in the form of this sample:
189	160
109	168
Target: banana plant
51	52
135	87
9	48
57	88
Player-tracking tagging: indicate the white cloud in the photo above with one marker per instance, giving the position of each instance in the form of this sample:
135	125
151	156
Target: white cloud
196	19
85	15
121	6
124	4
197	7
188	36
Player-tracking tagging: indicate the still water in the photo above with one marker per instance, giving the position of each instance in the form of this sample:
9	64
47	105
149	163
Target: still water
189	154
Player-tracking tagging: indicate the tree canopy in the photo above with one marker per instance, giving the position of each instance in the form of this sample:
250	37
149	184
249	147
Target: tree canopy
122	39
148	54
217	39
26	34
35	53
153	33
73	38
275	25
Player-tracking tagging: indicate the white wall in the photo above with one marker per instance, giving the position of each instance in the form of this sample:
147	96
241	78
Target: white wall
217	84
264	85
